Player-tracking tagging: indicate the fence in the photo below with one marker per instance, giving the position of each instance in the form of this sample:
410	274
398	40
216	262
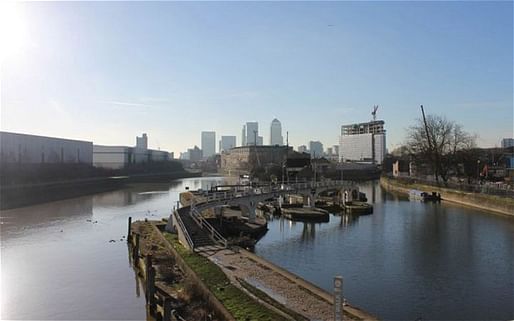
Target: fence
498	190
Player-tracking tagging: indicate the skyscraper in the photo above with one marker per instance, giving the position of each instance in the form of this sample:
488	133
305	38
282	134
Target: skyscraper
243	136
276	133
252	133
208	144
227	142
316	149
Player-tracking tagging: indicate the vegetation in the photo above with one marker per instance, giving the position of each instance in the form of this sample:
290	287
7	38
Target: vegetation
443	144
237	302
14	173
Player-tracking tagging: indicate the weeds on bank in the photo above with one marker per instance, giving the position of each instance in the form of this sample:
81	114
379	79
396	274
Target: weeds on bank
237	302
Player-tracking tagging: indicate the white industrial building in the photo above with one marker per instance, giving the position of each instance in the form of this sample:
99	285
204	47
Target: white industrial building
116	157
363	142
32	149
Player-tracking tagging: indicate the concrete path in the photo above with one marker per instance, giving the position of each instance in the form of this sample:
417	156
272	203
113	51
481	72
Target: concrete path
292	291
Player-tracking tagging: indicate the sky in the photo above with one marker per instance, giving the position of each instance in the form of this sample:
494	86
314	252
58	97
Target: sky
108	71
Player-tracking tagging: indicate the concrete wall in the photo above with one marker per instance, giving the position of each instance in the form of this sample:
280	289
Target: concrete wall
32	149
490	203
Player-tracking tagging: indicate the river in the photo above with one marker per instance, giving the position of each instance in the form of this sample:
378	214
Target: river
68	259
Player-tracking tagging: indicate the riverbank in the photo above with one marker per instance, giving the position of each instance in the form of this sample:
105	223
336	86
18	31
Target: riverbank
490	203
20	195
238	285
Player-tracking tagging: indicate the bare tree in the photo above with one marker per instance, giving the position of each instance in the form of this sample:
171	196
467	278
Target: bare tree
440	144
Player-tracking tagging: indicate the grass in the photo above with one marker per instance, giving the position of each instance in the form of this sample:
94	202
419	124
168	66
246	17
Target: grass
237	302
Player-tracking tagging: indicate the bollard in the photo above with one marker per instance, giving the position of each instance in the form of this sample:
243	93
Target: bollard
129	233
338	294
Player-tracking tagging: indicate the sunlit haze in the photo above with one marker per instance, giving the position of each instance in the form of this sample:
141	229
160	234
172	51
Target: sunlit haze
108	71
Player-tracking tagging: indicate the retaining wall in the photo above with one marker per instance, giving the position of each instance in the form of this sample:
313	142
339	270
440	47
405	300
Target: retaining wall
490	203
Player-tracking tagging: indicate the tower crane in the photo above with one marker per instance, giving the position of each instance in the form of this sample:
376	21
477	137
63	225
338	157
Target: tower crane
374	112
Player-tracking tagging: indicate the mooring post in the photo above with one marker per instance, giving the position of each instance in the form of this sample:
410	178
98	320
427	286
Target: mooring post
167	309
135	253
129	233
148	263
150	290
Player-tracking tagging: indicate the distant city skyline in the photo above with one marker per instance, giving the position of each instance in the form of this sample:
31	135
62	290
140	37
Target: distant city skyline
173	69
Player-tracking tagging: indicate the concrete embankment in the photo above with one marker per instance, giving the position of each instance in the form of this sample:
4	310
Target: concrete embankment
13	196
490	203
238	285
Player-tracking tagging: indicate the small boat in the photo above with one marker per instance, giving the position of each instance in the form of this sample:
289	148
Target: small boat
424	196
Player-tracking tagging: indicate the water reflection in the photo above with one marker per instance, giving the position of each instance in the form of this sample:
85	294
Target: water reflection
347	220
434	260
309	231
60	263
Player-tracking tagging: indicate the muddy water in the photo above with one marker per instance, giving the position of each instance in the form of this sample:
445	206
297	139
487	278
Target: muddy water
68	259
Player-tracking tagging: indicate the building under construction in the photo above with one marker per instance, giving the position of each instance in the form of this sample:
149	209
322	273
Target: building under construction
363	142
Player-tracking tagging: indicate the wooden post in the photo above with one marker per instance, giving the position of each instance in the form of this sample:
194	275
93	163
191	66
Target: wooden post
148	263
167	309
150	290
129	233
135	253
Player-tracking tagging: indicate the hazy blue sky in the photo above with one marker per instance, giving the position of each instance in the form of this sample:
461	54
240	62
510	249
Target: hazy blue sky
108	71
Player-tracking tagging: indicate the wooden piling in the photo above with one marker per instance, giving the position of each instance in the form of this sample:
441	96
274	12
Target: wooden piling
150	290
135	253
148	264
129	233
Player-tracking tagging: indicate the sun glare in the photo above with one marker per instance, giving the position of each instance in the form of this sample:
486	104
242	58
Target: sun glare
12	30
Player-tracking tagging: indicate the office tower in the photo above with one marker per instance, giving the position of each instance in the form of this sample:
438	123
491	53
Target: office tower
276	137
208	143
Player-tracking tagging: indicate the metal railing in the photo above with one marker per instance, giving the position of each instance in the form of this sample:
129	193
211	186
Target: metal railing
202	222
184	230
247	191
